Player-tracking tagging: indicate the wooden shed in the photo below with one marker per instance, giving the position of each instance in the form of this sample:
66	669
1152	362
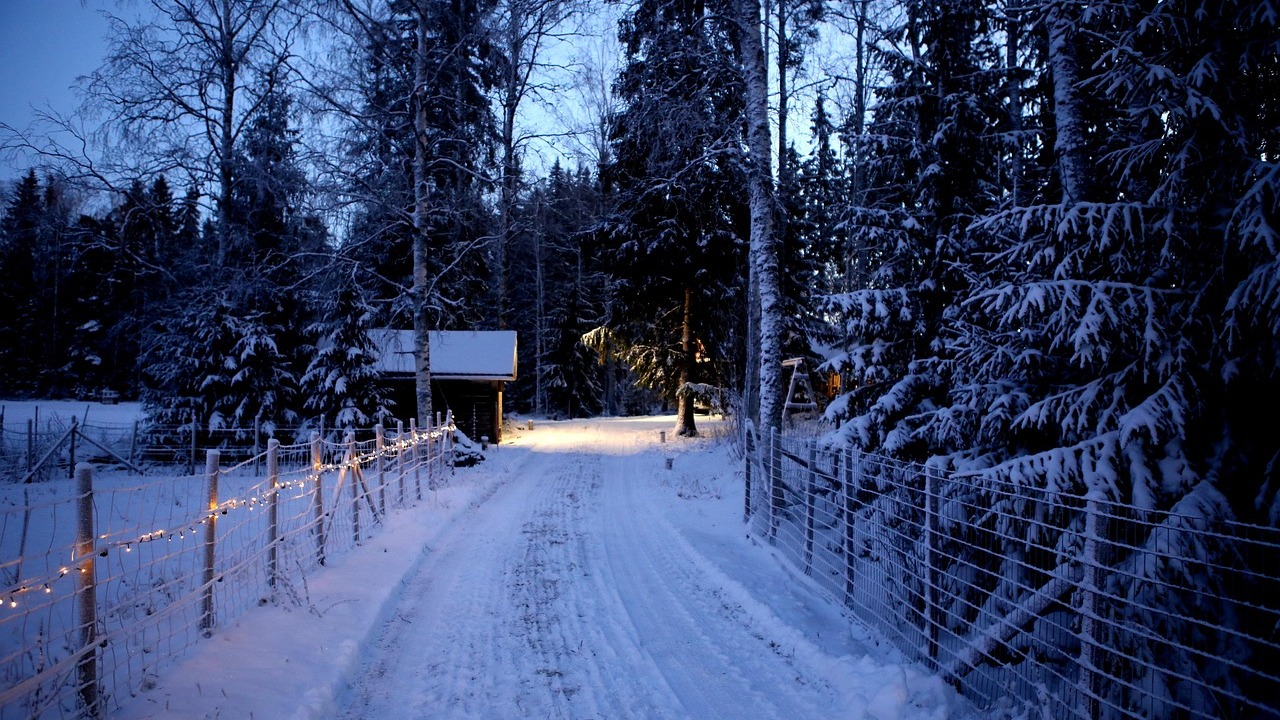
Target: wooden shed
469	369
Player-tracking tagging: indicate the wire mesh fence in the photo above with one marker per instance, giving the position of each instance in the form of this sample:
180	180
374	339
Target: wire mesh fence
45	448
1052	603
106	579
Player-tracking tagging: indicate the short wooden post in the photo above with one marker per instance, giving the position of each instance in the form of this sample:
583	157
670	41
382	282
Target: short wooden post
416	458
317	495
531	423
380	447
31	444
662	437
810	503
850	493
400	461
86	595
354	465
273	511
933	609
211	473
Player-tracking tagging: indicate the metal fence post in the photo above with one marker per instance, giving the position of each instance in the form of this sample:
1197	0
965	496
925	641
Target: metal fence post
210	542
273	511
379	447
86	594
933	610
747	450
850	493
1094	526
317	495
776	497
810	501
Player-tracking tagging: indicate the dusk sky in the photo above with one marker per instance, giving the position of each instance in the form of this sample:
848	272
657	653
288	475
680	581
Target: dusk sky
44	46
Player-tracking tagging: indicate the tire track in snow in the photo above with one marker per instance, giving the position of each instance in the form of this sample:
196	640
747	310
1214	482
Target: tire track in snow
716	657
565	595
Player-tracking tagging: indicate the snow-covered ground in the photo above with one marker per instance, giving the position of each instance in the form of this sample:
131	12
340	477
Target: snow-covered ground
570	575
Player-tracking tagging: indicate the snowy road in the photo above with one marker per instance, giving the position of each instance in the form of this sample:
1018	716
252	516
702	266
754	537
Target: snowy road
568	593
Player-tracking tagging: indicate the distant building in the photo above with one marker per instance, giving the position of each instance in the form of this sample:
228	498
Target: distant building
469	369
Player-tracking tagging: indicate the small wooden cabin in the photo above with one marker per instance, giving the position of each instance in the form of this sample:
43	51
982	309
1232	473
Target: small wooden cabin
469	369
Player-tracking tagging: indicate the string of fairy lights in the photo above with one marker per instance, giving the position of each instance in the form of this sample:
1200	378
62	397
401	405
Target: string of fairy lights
12	597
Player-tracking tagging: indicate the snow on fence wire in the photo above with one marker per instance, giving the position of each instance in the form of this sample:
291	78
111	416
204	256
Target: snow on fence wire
105	579
1060	604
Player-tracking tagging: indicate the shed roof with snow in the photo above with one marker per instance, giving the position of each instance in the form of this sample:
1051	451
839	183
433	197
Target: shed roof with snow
455	354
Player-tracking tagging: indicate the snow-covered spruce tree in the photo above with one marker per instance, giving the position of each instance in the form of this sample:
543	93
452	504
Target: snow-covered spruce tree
21	246
184	376
246	371
930	174
376	169
341	383
1123	330
678	216
562	284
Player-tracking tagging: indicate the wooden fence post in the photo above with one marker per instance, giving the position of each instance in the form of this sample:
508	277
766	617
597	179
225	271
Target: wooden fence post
86	594
850	492
446	443
379	447
415	458
1091	557
133	443
71	452
400	461
317	495
257	446
810	502
211	473
933	610
31	444
354	467
273	511
191	462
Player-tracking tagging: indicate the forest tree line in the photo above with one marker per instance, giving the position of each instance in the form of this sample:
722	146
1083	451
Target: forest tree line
1035	239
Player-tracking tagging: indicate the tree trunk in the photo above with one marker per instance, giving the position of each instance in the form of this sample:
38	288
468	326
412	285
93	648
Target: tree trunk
226	156
1012	33
684	408
512	95
1070	145
422	209
764	249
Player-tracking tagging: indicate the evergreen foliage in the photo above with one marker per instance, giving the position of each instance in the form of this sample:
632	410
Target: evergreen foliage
678	220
